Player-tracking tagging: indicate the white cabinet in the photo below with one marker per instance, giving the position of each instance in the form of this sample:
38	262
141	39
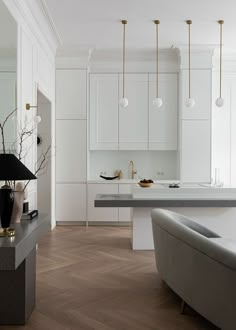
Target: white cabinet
133	120
125	212
201	91
70	202
163	121
71	87
101	213
196	151
140	126
7	105
103	111
71	150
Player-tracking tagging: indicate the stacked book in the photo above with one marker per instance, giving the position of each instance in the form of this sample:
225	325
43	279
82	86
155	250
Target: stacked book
29	215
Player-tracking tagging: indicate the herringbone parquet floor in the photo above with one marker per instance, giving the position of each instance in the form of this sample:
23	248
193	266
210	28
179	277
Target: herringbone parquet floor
91	279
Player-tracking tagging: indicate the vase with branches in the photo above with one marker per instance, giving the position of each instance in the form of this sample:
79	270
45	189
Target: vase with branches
21	150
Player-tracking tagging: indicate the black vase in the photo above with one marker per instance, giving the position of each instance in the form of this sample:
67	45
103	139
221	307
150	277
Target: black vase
6	206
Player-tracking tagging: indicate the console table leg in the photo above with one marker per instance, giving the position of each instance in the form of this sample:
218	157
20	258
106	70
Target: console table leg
182	307
17	288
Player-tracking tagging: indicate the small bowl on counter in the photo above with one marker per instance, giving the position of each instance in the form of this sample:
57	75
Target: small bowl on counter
145	183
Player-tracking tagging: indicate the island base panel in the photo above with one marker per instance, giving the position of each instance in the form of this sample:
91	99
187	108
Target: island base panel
221	220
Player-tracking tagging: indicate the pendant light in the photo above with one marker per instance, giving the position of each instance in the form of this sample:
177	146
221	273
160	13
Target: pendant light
220	100
123	101
189	102
157	102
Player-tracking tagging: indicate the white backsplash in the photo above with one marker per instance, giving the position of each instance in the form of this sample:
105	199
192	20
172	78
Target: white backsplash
156	165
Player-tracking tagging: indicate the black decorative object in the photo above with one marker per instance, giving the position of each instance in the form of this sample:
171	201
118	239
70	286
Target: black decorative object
11	169
109	177
174	185
39	140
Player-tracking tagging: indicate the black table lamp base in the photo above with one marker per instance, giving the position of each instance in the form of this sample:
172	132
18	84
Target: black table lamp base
6	207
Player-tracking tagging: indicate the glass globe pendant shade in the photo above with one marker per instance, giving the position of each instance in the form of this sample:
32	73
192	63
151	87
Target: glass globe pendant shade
219	102
157	102
189	102
37	119
124	102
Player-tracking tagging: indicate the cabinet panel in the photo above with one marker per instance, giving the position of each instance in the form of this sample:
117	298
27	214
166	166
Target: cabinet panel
7	105
196	151
133	120
104	111
71	150
200	91
125	212
101	213
71	86
71	202
163	121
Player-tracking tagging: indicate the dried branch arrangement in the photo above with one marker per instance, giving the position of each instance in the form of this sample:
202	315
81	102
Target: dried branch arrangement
19	149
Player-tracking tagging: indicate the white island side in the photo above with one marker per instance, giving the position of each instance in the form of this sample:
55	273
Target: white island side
213	207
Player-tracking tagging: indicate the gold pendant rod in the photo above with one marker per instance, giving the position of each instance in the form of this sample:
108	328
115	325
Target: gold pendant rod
189	22
124	22
157	22
221	22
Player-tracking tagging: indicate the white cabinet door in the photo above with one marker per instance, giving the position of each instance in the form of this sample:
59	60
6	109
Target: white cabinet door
104	111
71	150
125	212
7	105
163	121
133	120
71	93
101	213
201	87
196	151
71	202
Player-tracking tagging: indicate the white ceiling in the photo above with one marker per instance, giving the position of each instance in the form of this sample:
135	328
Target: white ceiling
84	24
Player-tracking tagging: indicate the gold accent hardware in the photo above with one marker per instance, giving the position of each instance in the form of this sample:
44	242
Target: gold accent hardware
7	232
133	171
28	106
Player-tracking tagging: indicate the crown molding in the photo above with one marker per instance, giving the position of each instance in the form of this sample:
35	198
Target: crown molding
51	24
34	15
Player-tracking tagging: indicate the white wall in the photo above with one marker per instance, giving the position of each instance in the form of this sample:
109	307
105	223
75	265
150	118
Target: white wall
36	48
157	165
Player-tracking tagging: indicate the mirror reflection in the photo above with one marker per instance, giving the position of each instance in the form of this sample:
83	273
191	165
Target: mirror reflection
8	66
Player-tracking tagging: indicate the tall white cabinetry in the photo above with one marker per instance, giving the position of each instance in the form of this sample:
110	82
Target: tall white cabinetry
140	126
133	120
104	111
163	121
71	146
195	146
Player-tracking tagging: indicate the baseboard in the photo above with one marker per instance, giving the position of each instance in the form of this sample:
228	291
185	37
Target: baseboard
94	223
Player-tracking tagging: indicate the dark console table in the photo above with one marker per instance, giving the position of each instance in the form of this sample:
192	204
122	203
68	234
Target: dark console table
18	270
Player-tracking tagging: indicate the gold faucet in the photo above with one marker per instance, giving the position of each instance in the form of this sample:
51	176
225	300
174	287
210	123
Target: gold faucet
133	171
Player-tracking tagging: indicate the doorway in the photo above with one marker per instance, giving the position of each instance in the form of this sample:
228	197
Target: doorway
44	140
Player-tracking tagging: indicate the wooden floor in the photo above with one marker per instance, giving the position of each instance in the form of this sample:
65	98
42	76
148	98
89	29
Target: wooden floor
91	279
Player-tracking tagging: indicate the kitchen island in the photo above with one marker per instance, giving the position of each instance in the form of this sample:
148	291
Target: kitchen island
214	207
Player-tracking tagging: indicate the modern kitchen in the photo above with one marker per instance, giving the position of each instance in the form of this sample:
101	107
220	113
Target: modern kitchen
115	147
120	120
